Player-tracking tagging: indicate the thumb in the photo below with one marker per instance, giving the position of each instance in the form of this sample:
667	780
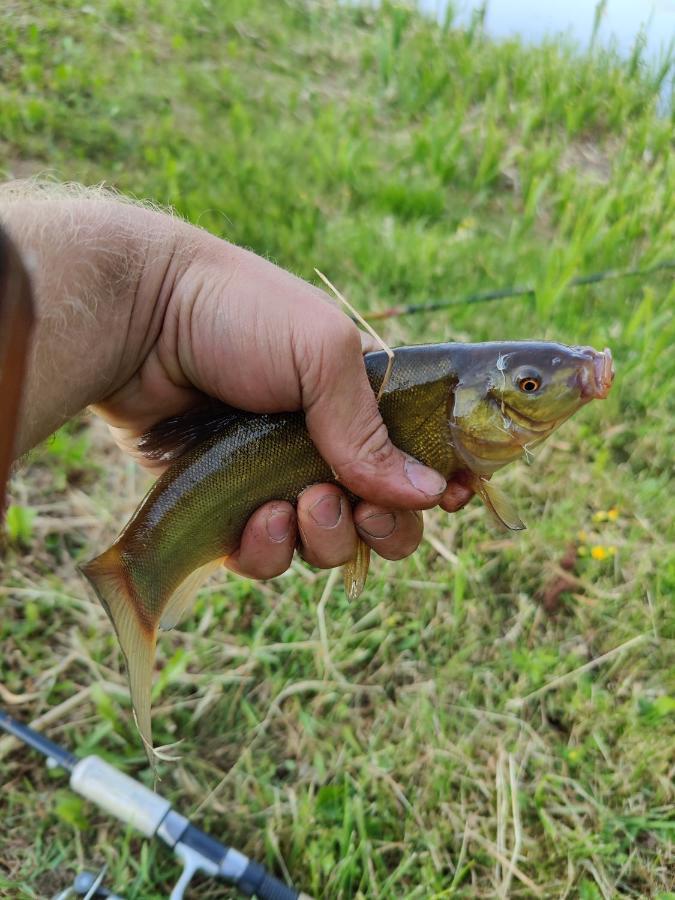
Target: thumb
345	424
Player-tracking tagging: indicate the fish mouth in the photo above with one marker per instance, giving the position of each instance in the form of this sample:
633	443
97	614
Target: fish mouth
533	427
484	457
596	379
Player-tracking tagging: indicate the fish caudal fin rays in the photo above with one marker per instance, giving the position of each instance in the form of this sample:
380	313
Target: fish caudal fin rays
185	593
498	503
136	633
137	638
355	572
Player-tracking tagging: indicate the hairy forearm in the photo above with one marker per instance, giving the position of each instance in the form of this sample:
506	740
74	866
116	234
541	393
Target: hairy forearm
89	256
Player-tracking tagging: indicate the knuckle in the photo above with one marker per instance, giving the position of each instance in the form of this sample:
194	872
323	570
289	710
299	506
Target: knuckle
321	347
348	337
341	331
374	450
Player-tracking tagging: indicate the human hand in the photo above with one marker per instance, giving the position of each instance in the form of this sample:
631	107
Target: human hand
207	318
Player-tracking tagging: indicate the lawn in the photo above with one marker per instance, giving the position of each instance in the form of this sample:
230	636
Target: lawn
494	716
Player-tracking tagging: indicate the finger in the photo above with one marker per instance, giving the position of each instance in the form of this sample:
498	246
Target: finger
326	528
457	494
393	534
268	542
368	343
345	423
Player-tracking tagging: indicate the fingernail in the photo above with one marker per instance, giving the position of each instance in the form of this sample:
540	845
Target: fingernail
424	479
327	511
379	525
279	526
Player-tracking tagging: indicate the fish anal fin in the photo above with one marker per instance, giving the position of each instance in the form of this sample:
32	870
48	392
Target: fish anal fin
185	593
355	572
138	638
498	503
172	437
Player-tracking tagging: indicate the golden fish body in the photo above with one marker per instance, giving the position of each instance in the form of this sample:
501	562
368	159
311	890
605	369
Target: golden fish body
451	406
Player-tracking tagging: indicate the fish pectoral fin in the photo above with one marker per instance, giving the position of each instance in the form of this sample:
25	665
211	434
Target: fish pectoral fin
466	398
137	636
355	572
185	593
498	503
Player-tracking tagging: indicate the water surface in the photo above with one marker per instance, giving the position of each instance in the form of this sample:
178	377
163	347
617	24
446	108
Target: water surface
622	22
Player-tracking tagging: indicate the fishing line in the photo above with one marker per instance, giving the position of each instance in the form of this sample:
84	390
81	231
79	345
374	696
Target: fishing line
514	291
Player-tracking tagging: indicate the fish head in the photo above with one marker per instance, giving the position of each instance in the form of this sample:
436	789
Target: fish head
510	397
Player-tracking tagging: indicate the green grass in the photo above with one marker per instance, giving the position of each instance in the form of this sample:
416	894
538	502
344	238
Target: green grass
375	749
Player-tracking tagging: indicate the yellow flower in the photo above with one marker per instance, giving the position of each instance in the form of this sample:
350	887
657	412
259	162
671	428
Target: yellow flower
613	514
599	552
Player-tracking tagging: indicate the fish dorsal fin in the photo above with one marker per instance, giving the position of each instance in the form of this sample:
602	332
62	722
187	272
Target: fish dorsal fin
355	571
172	437
498	503
185	593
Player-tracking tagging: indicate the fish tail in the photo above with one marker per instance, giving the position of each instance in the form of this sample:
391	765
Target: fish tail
113	584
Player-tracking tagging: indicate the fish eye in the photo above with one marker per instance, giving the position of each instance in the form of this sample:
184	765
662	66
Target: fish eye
529	381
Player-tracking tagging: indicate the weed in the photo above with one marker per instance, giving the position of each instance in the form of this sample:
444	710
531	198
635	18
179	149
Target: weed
409	161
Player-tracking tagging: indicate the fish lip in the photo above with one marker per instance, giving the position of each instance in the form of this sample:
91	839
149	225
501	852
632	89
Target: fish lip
596	380
604	373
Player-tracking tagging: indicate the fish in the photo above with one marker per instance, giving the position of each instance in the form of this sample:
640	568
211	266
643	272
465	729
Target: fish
471	407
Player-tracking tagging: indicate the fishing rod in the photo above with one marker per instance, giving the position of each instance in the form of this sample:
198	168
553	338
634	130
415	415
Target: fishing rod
88	885
148	812
514	291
